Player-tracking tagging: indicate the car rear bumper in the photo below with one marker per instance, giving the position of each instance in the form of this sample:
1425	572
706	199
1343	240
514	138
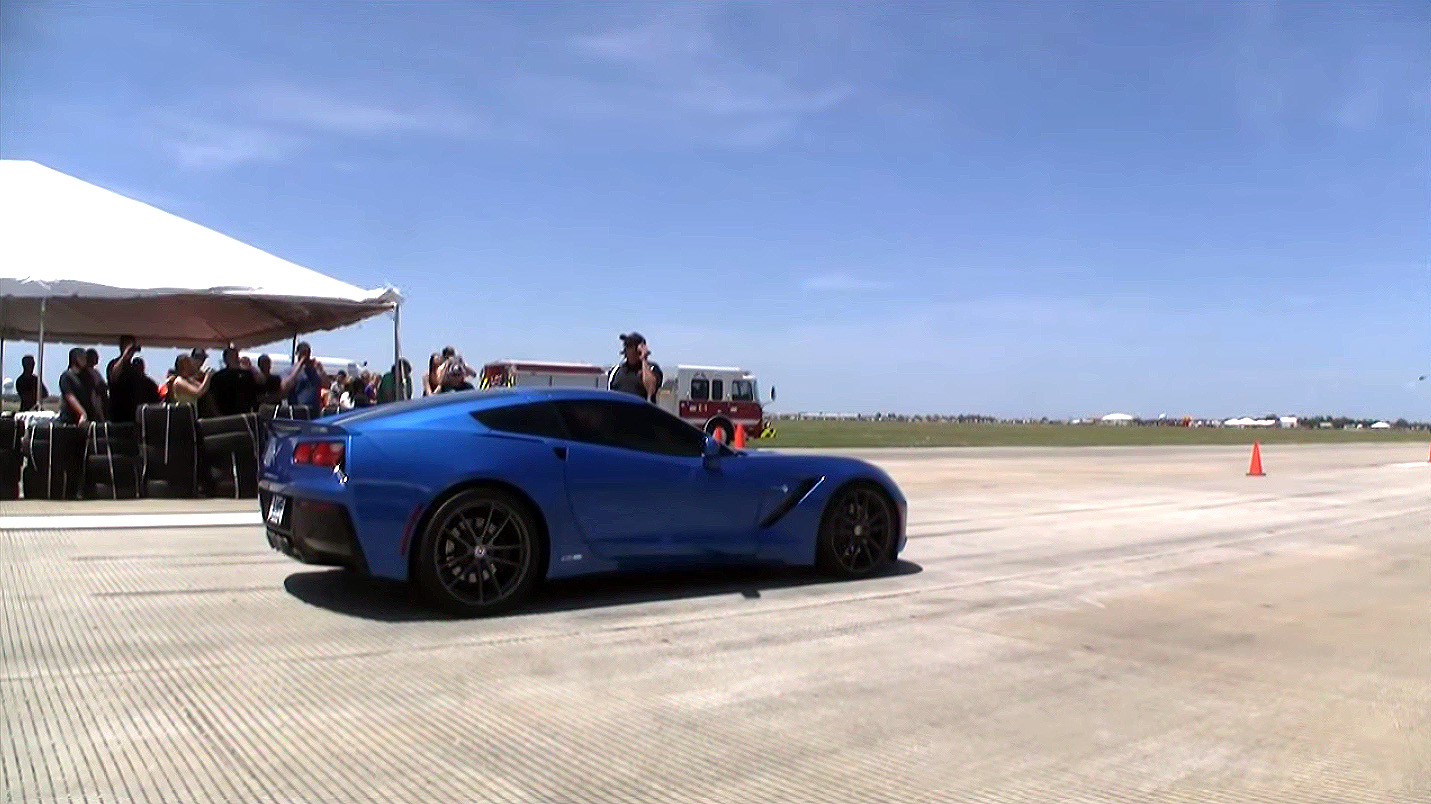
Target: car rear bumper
312	531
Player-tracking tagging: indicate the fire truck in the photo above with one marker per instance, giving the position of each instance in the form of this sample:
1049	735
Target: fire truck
541	374
716	399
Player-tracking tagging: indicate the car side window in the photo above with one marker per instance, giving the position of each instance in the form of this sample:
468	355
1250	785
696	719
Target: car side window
532	418
742	391
700	388
717	390
641	427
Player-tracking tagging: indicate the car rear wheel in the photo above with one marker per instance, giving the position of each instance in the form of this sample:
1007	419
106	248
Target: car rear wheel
481	553
857	532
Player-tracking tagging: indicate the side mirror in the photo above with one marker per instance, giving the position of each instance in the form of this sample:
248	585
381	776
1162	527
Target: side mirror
772	393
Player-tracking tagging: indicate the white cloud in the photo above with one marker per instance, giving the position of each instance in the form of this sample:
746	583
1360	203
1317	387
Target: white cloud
213	145
841	282
274	123
1286	77
672	76
334	114
683	34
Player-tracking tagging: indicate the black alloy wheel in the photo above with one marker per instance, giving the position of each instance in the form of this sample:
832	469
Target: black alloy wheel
481	553
857	532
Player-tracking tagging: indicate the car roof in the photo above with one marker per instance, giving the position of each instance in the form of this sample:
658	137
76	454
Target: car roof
487	397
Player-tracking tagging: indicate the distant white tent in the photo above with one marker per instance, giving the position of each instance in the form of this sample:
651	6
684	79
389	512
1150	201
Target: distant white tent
1118	418
1245	421
1381	426
82	264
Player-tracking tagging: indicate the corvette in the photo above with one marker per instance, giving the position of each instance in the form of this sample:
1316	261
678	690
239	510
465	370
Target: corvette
476	497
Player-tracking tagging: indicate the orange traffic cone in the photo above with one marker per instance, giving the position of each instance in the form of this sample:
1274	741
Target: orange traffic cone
718	434
739	437
1255	468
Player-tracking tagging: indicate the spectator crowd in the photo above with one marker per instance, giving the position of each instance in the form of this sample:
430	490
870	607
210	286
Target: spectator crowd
237	385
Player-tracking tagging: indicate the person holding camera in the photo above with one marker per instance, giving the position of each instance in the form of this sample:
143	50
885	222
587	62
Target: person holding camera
637	373
127	387
186	385
455	371
301	386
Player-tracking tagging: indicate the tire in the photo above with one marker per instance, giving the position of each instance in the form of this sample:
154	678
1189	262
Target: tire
284	411
10	432
112	447
55	466
502	576
222	425
112	477
122	431
164	490
104	491
169	444
226	444
233	475
11	465
857	532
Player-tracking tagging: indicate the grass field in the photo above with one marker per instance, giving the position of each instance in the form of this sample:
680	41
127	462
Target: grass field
827	433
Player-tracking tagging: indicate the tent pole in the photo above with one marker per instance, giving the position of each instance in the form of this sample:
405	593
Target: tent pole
398	384
40	359
293	348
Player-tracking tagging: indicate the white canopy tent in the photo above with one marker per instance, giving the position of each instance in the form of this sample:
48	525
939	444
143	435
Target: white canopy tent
82	264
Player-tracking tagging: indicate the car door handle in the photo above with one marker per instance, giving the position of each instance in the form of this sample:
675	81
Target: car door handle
560	452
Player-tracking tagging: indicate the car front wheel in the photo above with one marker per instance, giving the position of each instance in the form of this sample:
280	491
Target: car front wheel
857	532
480	554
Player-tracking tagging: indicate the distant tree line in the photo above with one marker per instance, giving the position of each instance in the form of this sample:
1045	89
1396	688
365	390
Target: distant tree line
1339	422
1303	422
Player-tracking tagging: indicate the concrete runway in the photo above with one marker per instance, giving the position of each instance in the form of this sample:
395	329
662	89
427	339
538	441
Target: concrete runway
1120	624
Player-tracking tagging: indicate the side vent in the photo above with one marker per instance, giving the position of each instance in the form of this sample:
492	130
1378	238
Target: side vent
798	493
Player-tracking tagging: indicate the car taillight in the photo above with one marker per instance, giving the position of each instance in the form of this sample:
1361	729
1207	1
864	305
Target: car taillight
326	454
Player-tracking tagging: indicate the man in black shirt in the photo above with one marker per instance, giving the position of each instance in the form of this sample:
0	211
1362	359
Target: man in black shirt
27	385
126	384
98	385
147	389
77	392
637	374
235	389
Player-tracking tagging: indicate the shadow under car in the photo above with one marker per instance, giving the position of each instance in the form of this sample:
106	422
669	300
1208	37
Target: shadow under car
348	593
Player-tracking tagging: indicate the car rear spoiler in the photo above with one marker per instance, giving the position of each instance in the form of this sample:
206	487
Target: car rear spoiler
288	427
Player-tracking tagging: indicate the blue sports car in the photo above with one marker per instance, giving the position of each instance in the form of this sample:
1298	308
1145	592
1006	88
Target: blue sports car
477	496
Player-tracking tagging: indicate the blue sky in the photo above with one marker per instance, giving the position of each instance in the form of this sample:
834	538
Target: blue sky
1054	209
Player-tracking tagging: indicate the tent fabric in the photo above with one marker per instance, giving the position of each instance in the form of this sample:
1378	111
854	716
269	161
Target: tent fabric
106	265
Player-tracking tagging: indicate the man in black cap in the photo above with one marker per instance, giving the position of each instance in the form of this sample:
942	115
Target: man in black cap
637	374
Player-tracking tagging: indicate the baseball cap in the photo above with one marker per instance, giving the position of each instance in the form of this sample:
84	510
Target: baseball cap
629	338
198	352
